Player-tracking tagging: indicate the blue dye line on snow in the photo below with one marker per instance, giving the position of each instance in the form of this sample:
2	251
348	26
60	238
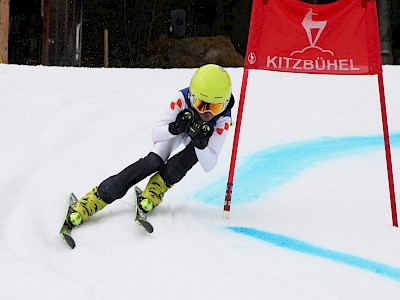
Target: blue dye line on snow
306	248
268	169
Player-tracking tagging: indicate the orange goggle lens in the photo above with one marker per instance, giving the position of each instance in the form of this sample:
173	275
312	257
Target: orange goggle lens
202	106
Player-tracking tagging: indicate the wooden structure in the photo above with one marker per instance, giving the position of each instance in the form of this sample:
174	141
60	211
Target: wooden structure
4	27
45	31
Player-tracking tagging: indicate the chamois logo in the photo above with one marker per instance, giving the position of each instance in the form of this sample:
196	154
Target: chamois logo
309	26
251	58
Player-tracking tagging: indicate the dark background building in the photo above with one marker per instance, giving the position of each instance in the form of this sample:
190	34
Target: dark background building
141	33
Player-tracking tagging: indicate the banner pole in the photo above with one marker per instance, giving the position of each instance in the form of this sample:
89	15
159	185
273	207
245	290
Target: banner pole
229	185
387	149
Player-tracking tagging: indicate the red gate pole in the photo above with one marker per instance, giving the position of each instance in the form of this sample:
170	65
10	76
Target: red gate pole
229	185
387	149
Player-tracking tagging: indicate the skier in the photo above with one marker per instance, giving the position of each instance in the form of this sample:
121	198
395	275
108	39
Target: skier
199	118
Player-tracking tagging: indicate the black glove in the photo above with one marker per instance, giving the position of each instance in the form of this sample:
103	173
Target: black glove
182	123
200	132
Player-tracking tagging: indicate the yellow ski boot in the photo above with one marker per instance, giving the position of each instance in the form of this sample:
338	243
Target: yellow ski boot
154	192
85	207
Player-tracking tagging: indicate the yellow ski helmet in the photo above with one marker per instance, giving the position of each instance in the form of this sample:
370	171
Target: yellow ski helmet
212	84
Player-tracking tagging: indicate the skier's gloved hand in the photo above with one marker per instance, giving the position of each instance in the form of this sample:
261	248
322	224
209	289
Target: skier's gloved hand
182	123
200	132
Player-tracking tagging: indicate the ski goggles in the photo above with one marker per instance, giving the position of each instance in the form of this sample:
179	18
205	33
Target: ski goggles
203	106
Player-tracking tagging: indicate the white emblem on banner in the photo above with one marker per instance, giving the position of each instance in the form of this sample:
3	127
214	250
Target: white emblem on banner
309	25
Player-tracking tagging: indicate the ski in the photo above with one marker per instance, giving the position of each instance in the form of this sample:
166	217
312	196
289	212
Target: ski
66	229
140	217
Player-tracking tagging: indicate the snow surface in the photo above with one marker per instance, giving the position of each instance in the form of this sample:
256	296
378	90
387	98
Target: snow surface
310	214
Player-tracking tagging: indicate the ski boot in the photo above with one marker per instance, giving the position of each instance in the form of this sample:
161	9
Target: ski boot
85	207
154	192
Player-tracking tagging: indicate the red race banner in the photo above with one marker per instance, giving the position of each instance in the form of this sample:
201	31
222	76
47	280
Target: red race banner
293	36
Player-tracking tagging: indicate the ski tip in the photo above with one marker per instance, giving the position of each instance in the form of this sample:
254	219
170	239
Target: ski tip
69	240
145	224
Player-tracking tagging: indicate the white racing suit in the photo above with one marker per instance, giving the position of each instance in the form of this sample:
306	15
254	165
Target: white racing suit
172	169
